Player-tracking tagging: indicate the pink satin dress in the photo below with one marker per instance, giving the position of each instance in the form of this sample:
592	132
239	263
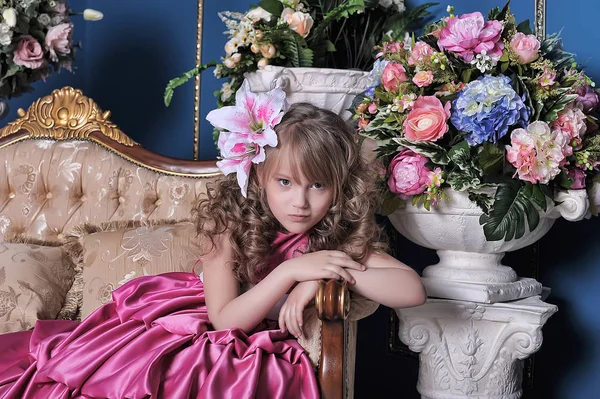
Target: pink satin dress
154	340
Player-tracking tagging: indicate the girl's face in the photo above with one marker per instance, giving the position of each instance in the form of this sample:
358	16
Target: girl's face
297	203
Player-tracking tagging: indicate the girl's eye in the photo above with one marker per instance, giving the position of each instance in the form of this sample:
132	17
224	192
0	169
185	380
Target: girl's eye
318	186
284	182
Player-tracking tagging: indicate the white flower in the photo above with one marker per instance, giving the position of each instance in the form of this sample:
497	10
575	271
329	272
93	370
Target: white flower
4	28
6	38
229	63
226	91
262	63
58	19
218	70
231	46
44	19
258	13
10	17
92	15
385	3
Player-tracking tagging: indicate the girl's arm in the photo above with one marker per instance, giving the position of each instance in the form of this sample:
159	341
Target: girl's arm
226	307
389	282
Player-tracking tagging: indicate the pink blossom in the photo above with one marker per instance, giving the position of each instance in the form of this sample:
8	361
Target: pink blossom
408	174
547	78
389	48
248	127
535	153
419	52
29	53
58	40
571	124
423	78
526	47
470	34
372	108
393	74
427	119
578	177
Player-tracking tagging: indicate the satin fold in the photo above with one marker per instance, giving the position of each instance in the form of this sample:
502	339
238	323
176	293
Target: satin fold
155	340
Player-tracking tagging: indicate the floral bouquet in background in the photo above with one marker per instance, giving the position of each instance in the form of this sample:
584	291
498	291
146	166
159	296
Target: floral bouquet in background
482	107
304	33
36	39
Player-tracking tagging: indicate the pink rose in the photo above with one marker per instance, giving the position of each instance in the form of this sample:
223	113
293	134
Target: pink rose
526	47
470	34
29	53
423	78
408	174
372	108
420	51
427	120
578	177
58	40
393	75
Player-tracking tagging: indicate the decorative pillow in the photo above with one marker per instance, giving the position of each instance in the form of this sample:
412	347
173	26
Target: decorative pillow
34	280
110	255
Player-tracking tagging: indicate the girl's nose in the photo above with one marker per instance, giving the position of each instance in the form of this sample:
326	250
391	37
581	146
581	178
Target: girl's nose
300	199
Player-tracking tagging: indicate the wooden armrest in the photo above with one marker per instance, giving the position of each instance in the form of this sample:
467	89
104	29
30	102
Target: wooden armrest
333	305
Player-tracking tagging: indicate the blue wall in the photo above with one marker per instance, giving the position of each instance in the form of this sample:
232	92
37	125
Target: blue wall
129	56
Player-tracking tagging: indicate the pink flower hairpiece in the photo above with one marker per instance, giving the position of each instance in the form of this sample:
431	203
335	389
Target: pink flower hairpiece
246	128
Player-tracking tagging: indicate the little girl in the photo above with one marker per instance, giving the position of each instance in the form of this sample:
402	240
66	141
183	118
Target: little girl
296	206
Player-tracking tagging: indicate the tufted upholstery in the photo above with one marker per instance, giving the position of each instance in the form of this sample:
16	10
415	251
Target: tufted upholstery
50	186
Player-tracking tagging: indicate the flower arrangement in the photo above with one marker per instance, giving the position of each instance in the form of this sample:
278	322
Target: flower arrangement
482	107
35	39
303	33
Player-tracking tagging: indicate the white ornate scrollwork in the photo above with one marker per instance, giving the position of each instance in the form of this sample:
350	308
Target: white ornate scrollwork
473	350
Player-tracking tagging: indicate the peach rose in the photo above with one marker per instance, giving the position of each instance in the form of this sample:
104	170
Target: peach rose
393	74
423	78
300	22
427	120
29	53
526	47
58	40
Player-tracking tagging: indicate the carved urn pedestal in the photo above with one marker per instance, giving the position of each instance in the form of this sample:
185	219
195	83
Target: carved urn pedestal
480	320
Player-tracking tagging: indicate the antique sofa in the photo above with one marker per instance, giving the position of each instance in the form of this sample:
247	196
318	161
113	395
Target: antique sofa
83	209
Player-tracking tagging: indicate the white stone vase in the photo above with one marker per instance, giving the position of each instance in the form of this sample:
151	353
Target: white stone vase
470	267
332	89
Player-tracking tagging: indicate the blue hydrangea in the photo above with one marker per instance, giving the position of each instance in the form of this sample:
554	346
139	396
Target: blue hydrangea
486	108
374	77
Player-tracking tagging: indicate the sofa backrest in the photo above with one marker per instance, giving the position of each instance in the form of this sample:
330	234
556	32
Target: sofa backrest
63	163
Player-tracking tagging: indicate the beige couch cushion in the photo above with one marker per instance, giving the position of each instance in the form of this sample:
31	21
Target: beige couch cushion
109	258
34	280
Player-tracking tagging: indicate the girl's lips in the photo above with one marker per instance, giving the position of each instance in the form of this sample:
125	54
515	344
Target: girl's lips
298	218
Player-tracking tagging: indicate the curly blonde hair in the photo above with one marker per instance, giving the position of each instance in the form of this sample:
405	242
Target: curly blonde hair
321	147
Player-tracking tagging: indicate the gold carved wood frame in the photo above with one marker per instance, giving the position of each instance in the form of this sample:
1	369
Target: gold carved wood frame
197	80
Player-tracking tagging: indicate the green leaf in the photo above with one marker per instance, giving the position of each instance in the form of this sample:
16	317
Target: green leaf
434	152
462	181
491	158
483	201
275	7
390	205
534	193
174	83
510	211
330	46
556	106
525	27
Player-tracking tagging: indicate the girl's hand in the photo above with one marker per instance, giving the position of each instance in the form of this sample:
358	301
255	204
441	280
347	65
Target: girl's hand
291	315
322	264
